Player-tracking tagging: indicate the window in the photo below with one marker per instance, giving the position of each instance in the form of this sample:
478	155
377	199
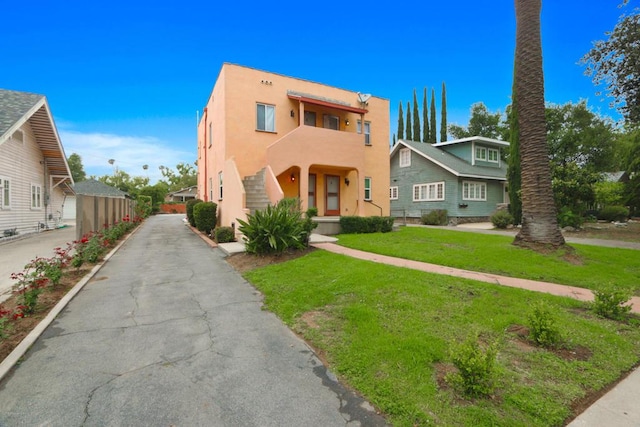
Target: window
210	189
266	119
405	157
210	134
5	193
220	185
494	155
481	153
36	196
367	131
430	192
474	190
393	193
331	122
367	188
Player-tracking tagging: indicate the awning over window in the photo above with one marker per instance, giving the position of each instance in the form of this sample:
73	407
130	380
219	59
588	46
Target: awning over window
325	102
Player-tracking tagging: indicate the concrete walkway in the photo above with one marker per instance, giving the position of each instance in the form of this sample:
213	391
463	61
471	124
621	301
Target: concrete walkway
168	334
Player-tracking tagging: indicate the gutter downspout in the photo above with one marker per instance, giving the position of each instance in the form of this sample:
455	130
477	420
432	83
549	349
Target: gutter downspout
205	155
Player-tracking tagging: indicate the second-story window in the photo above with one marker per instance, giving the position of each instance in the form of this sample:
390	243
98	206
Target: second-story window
494	155
266	117
405	157
367	188
367	131
481	153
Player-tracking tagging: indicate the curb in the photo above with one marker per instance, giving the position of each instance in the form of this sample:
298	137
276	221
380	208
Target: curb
14	357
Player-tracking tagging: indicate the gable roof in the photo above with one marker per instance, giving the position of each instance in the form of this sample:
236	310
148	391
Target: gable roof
18	108
481	139
91	187
451	163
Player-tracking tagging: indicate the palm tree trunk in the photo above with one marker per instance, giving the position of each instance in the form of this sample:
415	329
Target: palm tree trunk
539	221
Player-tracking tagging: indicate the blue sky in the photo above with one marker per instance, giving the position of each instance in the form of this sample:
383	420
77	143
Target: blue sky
124	79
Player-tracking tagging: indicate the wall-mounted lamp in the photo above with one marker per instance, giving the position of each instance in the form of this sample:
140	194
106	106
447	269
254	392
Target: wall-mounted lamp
346	122
292	113
346	181
292	177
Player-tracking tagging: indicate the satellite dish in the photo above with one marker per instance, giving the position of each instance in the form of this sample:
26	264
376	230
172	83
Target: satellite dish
363	97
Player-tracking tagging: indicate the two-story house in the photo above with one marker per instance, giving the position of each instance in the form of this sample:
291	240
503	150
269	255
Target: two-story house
34	175
466	177
264	136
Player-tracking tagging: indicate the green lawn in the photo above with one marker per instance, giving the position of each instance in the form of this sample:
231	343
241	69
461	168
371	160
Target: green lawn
385	331
596	266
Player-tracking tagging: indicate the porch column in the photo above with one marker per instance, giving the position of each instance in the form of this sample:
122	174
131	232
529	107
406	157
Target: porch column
304	187
360	179
300	113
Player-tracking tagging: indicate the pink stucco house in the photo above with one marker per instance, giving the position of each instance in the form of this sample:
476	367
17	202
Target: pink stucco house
264	136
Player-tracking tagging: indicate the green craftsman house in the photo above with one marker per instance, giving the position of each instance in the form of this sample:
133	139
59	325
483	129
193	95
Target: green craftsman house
466	177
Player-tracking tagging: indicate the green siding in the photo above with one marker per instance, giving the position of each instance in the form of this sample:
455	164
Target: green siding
423	171
459	150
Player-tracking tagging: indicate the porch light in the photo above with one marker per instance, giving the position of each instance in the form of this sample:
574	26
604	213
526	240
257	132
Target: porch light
292	113
346	181
346	122
293	177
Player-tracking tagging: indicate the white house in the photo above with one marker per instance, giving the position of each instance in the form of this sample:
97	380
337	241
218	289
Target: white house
34	175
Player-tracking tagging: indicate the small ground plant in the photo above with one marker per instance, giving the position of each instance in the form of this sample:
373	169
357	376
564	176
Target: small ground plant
501	219
543	326
224	235
476	367
611	303
435	217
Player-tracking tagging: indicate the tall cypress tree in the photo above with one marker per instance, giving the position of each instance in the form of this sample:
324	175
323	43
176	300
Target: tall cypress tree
400	122
443	115
416	118
425	118
432	130
394	140
408	135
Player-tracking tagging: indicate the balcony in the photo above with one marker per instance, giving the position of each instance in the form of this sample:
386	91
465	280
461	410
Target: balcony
308	145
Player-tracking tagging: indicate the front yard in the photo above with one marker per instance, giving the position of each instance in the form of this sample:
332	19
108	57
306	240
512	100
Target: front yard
389	332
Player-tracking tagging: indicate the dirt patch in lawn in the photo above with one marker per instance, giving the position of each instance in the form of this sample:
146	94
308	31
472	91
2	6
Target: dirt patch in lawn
244	262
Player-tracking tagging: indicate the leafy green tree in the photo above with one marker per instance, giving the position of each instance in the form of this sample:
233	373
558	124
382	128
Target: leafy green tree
185	176
539	214
416	118
443	114
630	143
425	117
614	63
124	182
400	122
432	124
77	169
409	135
481	123
157	192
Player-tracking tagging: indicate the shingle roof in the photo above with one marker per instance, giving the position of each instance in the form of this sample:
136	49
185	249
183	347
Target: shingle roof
454	164
13	106
91	187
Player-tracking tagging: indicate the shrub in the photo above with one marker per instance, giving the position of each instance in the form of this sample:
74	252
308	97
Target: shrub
189	206
143	206
435	217
543	329
476	367
274	229
502	219
610	302
366	224
224	235
308	224
613	213
566	218
204	215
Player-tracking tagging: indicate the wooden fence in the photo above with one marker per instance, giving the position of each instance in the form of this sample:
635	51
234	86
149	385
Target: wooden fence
95	213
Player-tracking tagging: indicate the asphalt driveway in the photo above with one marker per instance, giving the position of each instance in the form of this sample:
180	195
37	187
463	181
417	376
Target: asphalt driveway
168	334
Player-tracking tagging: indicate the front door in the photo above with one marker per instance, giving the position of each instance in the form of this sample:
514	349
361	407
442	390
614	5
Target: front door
312	190
332	194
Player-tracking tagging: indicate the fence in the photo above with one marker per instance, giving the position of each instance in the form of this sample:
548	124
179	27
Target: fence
94	213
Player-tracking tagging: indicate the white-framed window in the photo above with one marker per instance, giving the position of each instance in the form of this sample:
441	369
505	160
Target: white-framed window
210	189
266	117
220	185
5	193
393	193
36	196
210	134
405	157
481	153
474	190
493	155
367	188
367	131
429	192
